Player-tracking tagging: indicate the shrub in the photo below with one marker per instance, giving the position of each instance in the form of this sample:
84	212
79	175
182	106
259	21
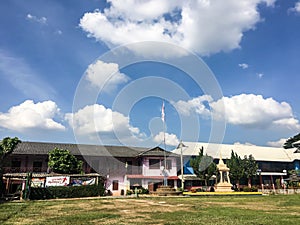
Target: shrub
247	189
180	189
143	191
66	192
252	189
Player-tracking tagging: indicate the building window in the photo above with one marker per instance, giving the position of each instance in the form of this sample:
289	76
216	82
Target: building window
169	164
37	166
154	163
16	165
115	185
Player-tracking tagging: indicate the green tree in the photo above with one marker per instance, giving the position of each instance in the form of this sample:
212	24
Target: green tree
203	166
62	161
290	141
7	146
250	168
237	171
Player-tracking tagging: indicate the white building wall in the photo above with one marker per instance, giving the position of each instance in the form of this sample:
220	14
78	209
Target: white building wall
158	172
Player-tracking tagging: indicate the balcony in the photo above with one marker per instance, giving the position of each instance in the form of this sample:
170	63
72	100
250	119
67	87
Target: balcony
25	169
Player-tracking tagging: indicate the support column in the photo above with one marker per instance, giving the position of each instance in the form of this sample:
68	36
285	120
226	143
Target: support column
221	177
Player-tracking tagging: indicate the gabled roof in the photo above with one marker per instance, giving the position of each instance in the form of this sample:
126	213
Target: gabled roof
42	148
258	152
157	151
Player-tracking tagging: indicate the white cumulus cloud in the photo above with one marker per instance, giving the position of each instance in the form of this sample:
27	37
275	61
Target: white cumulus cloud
290	123
171	139
205	26
194	105
243	65
246	144
248	110
296	8
30	115
251	110
93	119
105	76
278	144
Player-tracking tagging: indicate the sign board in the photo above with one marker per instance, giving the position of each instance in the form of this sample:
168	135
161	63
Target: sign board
57	181
37	182
80	182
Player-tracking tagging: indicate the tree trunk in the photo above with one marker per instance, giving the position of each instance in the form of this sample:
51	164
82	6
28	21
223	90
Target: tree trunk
238	185
249	182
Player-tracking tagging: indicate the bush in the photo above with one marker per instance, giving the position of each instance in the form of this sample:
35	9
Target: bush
143	191
180	189
252	189
66	192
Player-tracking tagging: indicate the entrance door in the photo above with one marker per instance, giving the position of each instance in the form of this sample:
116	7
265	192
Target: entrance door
151	186
115	185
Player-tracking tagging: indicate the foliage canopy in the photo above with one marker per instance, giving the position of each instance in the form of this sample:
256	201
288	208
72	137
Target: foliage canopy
203	166
241	168
62	161
290	141
7	146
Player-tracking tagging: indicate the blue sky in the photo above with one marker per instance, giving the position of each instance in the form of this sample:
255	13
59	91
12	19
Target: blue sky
97	72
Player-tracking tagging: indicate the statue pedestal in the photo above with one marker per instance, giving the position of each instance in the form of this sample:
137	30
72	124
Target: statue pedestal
223	187
166	191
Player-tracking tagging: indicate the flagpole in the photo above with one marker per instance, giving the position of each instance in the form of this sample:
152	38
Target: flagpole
165	157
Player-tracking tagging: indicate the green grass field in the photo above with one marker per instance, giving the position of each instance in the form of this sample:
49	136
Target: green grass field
279	209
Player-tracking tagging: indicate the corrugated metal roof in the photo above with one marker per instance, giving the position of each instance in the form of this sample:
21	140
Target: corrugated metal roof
157	151
42	148
258	152
141	176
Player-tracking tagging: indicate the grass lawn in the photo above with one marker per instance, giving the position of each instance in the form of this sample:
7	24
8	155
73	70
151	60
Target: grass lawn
279	209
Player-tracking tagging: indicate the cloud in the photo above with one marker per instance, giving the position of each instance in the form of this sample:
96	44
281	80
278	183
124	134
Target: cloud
296	8
277	144
290	123
243	65
260	75
246	144
21	76
171	139
247	110
105	76
58	32
93	119
30	115
195	25
251	110
194	105
41	20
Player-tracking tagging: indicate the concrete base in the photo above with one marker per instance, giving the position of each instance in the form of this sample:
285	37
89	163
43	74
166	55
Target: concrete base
166	191
223	187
